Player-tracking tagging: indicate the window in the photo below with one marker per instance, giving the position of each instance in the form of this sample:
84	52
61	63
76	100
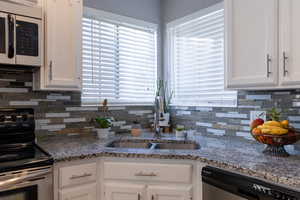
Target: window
119	59
196	60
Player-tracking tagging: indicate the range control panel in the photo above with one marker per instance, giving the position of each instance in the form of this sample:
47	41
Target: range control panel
17	119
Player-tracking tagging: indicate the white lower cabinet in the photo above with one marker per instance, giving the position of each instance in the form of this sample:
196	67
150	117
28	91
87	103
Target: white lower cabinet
162	192
128	179
78	180
85	192
124	191
128	191
150	180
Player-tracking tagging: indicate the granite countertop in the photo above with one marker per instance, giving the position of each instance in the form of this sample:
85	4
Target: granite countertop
228	153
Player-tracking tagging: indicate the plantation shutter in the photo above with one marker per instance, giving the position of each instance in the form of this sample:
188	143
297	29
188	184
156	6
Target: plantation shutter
197	62
119	62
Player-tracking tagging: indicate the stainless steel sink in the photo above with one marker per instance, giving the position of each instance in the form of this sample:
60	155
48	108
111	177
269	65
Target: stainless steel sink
134	144
182	146
154	144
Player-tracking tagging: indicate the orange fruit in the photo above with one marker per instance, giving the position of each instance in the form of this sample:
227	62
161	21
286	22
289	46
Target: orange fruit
256	131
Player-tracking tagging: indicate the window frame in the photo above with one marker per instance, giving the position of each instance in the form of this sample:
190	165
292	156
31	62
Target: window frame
131	22
169	60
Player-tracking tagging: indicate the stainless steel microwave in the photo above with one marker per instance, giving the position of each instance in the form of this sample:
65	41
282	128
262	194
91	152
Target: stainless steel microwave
20	35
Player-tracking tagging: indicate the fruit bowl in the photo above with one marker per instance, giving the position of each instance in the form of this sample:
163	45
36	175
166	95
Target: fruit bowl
274	133
275	143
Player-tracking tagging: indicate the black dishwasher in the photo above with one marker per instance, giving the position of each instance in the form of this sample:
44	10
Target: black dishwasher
219	184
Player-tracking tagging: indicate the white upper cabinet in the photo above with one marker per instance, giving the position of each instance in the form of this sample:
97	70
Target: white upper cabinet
62	65
251	43
289	43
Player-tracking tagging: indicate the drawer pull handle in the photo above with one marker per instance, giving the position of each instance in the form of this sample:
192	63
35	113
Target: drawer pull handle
285	59
145	174
80	176
269	60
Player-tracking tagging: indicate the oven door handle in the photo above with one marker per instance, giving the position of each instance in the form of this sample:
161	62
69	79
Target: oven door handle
14	180
11	36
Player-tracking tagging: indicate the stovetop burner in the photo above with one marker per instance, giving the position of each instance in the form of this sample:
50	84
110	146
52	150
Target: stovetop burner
17	155
37	157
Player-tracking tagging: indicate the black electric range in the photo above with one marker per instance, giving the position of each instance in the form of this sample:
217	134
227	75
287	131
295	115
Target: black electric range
18	149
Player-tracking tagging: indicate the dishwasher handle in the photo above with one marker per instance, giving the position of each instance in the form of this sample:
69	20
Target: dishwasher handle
245	186
247	195
228	182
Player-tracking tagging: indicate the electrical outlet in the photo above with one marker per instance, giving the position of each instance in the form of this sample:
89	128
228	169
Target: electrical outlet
258	114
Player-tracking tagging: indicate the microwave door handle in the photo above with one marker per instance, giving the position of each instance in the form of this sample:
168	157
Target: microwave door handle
11	36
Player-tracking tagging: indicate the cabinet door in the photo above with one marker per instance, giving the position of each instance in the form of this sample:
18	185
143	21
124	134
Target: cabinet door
289	51
86	192
63	20
251	43
115	191
159	192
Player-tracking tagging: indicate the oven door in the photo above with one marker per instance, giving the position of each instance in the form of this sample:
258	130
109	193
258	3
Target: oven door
28	41
25	193
27	185
7	36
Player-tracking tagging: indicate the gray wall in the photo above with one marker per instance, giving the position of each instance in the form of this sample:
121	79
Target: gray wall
174	9
148	10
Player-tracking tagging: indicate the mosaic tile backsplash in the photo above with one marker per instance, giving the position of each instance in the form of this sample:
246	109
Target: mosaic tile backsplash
61	112
235	121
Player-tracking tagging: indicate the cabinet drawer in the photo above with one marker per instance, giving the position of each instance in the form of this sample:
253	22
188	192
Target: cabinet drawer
180	173
78	174
84	192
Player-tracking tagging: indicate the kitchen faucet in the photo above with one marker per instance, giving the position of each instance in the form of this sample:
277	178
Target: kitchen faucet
157	106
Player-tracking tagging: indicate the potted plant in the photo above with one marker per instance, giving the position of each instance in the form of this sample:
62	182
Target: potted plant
104	124
180	132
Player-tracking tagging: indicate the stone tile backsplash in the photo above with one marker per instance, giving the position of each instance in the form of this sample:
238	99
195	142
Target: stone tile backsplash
235	121
61	112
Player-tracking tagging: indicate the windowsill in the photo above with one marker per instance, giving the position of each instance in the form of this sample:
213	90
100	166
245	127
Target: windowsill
205	106
116	105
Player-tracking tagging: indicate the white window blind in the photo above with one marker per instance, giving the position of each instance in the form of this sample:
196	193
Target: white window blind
196	60
119	61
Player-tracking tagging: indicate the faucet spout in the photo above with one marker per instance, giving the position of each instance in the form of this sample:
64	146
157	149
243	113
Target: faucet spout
157	127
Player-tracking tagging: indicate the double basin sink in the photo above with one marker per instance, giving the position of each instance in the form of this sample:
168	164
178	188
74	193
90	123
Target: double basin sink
154	144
